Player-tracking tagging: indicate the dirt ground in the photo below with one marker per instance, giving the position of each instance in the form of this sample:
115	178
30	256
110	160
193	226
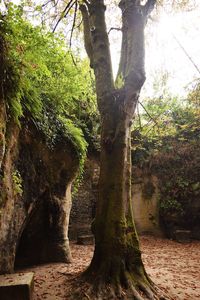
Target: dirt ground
172	266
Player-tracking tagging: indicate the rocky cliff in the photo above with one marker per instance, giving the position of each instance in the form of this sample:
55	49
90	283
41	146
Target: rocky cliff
35	196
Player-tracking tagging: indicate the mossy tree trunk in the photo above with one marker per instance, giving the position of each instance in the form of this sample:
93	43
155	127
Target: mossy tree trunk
116	270
2	102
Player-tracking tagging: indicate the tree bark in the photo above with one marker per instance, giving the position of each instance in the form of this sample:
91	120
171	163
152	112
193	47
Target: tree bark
3	117
117	262
117	270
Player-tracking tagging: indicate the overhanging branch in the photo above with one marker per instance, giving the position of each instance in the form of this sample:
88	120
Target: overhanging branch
114	28
73	25
64	12
154	120
149	6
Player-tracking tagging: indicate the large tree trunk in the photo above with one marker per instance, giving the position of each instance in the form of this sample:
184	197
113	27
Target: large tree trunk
117	258
116	270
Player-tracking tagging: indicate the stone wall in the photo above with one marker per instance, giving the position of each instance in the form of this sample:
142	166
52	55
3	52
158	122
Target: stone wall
35	198
83	203
145	202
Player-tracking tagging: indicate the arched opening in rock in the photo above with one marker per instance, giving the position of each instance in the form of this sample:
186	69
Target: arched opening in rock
44	236
32	247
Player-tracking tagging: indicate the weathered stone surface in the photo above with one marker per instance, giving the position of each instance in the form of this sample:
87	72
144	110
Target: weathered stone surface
34	222
196	233
17	286
145	203
11	211
85	240
83	204
182	236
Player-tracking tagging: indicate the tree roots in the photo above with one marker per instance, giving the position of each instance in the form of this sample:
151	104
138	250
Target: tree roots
99	290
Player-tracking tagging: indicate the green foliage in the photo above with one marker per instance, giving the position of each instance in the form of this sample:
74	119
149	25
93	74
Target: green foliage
119	81
17	183
171	206
75	135
42	82
164	119
166	141
45	69
56	127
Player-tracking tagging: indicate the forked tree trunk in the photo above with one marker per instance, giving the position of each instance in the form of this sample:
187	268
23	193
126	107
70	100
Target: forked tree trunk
117	258
116	270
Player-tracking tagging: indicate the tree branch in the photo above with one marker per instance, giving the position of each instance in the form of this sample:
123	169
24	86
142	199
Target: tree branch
46	3
87	3
97	46
65	12
6	4
132	60
114	28
73	25
154	120
149	6
87	32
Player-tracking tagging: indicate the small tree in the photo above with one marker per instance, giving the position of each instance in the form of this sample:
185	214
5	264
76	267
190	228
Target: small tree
116	270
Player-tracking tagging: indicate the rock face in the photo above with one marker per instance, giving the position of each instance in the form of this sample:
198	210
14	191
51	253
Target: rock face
83	205
146	195
145	201
35	199
178	173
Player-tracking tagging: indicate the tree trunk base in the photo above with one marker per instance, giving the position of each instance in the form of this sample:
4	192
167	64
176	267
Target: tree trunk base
84	289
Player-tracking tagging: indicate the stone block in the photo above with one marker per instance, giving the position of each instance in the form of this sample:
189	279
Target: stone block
85	240
18	286
182	236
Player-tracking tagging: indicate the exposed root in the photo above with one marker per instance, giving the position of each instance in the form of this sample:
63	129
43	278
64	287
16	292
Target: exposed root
86	296
82	290
146	290
135	294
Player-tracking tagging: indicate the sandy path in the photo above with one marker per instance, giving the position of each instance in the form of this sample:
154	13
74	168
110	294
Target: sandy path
174	267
